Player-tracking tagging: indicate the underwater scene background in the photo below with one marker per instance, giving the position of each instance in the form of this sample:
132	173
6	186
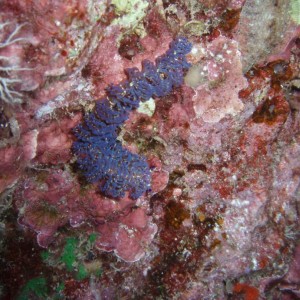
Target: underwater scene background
150	149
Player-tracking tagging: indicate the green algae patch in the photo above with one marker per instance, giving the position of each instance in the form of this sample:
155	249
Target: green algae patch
130	14
196	28
45	255
69	253
92	238
73	254
34	288
295	10
82	273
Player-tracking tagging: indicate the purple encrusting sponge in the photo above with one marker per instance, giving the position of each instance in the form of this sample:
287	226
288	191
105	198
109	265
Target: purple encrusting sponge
100	156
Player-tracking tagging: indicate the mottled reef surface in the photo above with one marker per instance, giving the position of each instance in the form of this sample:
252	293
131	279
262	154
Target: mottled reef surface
221	219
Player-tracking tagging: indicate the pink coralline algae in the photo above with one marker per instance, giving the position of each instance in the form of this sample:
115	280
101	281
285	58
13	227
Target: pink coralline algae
129	236
15	159
221	215
54	141
220	78
46	204
53	199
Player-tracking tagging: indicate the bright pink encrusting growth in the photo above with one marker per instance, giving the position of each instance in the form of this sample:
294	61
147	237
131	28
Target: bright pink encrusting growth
48	144
45	204
52	199
220	80
128	236
14	159
55	140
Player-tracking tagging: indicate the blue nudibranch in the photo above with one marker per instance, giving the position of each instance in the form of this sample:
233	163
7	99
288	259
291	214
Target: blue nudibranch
100	156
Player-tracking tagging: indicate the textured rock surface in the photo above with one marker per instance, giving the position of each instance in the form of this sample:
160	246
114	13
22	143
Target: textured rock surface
222	217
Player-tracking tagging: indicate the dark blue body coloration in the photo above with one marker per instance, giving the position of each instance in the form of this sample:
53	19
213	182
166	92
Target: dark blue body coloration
100	156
